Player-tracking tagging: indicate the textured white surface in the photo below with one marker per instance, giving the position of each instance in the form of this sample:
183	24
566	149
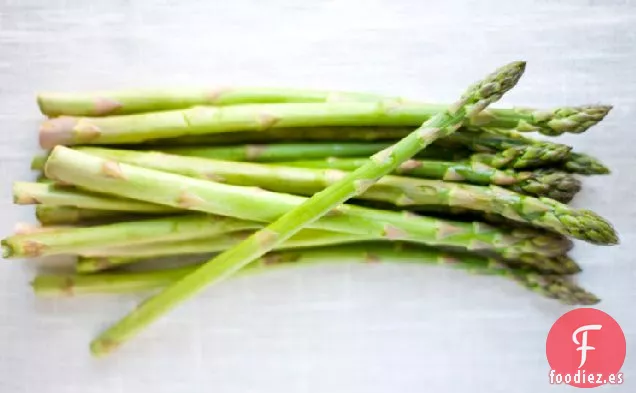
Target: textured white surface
338	328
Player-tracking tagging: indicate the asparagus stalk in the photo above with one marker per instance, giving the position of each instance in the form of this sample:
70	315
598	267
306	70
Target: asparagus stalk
27	193
94	260
549	122
289	135
106	258
555	287
107	103
401	191
73	240
552	184
70	215
288	151
476	98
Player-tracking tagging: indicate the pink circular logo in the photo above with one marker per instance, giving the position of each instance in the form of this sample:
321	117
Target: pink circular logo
586	348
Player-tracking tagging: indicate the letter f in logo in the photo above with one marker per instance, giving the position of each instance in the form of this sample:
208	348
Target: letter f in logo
583	344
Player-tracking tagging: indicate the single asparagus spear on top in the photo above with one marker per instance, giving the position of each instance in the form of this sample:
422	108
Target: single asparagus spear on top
549	122
260	243
556	287
549	183
401	191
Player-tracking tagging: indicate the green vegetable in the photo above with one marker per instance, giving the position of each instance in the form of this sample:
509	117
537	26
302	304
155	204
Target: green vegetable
476	98
401	191
551	286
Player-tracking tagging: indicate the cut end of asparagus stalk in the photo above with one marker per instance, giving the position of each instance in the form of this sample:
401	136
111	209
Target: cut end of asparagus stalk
59	131
54	104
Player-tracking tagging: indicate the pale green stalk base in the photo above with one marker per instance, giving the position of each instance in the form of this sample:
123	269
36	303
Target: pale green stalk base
26	193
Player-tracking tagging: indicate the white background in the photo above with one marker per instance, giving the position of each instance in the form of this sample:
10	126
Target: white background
337	328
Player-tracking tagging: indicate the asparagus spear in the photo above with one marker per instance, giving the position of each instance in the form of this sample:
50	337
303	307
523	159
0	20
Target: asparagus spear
401	191
555	287
56	215
73	240
289	135
288	151
552	184
444	123
549	122
106	258
105	103
27	193
94	260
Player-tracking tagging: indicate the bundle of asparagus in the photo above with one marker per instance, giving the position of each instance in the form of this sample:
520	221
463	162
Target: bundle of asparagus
260	177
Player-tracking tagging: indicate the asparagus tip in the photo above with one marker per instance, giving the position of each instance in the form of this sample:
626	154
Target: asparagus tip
577	119
7	250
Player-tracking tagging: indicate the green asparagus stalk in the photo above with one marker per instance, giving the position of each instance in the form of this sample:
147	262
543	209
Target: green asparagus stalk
552	184
108	103
476	98
555	287
401	191
288	151
289	135
70	215
27	193
103	175
94	260
549	122
107	258
74	240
